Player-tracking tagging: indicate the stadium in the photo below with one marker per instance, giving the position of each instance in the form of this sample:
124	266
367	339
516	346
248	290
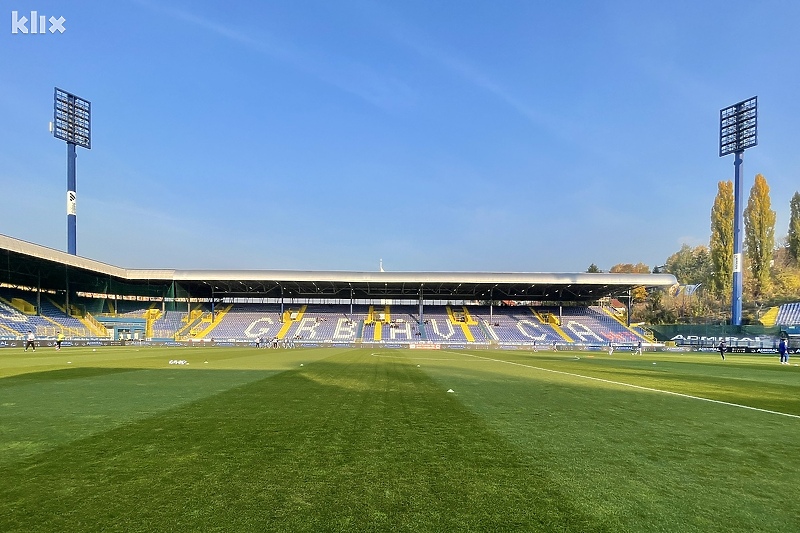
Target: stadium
218	358
48	292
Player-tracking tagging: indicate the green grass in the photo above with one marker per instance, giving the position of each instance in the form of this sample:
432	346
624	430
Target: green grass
358	440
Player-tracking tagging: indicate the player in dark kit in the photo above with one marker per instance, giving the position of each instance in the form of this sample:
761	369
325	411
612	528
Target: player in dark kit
784	352
721	349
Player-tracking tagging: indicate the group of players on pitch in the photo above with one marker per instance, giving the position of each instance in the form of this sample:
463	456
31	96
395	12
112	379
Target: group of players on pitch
275	342
783	350
30	340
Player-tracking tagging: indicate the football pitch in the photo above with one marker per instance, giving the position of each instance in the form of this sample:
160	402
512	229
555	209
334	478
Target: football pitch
339	439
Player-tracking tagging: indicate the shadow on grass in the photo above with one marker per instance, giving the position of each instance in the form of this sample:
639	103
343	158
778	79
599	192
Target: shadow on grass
61	374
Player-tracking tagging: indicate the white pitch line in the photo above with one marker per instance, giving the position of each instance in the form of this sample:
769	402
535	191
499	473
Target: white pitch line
640	387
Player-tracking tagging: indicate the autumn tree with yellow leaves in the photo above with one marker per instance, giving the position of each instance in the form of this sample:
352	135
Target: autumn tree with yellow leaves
759	236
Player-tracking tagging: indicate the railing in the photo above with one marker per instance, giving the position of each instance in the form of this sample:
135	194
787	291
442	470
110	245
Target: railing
23	306
99	328
53	331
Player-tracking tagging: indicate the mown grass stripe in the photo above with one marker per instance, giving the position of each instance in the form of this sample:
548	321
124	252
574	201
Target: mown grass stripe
631	385
44	409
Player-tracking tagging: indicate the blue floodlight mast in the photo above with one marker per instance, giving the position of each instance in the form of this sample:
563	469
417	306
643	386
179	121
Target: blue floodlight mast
72	122
738	129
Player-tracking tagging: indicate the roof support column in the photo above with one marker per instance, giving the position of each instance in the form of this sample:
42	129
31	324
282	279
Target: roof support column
421	310
281	304
39	290
66	300
629	309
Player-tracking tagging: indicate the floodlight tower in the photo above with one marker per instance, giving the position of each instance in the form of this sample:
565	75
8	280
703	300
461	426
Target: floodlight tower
72	122
738	129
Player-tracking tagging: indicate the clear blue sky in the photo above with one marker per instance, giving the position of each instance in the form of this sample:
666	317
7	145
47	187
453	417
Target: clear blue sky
489	136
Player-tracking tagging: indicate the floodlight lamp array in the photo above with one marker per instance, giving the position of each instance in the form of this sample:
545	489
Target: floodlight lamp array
738	127
72	119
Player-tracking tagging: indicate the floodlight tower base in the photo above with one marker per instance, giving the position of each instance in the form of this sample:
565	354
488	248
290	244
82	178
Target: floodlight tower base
71	200
738	219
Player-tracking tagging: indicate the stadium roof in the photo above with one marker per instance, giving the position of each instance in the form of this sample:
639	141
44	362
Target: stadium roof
31	265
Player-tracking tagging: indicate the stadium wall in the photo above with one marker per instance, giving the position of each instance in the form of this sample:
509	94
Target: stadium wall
709	335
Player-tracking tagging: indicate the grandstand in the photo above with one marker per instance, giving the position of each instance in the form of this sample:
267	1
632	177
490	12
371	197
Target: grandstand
102	301
167	325
598	323
329	323
518	324
250	322
19	313
788	314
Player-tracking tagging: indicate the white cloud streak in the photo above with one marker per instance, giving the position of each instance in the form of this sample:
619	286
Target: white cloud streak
345	74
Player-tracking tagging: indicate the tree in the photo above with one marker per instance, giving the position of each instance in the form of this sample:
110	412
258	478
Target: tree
691	266
593	269
721	243
759	235
639	293
628	268
793	240
655	312
785	274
